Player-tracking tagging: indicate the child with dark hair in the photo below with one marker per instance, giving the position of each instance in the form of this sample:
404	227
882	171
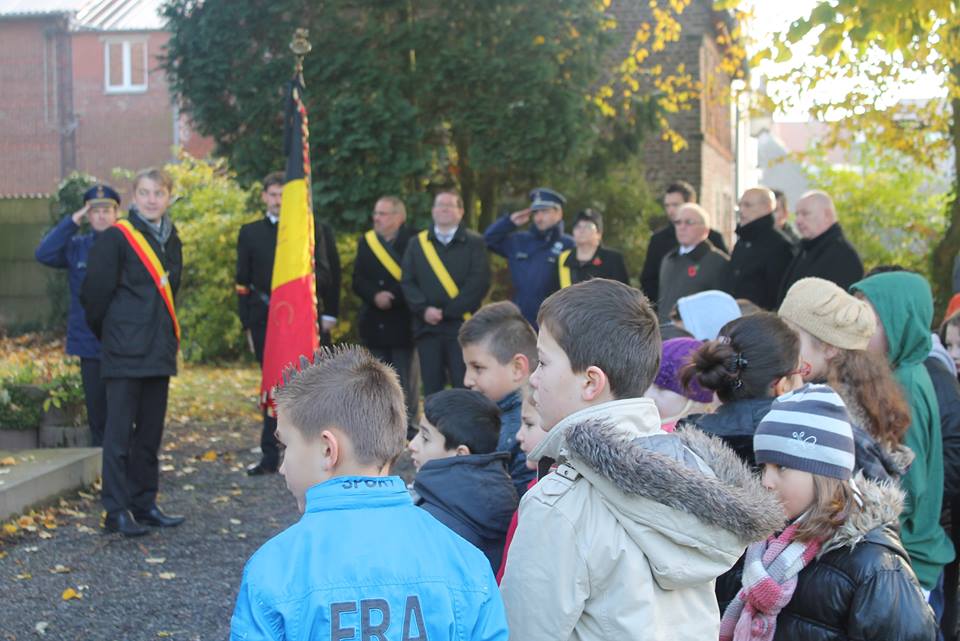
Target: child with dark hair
500	350
754	359
628	527
361	545
461	479
838	570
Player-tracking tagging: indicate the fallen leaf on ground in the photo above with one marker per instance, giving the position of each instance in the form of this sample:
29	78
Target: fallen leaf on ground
209	456
41	628
166	576
188	487
163	634
24	576
85	529
220	499
70	593
10	528
167	468
44	535
89	497
32	548
3	555
157	560
8	460
60	569
235	521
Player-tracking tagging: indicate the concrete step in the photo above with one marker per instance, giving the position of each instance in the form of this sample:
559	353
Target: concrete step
41	475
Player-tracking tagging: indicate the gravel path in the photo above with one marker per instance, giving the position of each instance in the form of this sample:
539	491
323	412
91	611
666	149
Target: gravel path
174	584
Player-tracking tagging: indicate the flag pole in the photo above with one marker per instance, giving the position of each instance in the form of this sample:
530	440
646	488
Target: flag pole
300	46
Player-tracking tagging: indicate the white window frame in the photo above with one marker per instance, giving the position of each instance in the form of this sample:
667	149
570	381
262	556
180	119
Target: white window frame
127	68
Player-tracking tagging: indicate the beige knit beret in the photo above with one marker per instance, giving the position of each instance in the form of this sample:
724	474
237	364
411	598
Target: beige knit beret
827	312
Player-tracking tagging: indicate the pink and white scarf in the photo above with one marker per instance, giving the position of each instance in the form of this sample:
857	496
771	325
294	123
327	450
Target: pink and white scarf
769	578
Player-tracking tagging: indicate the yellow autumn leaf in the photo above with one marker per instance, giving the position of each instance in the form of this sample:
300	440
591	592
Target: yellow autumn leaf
539	40
9	528
7	461
70	593
208	456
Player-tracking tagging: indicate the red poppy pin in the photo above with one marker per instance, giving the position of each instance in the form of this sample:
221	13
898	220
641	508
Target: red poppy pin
692	270
597	262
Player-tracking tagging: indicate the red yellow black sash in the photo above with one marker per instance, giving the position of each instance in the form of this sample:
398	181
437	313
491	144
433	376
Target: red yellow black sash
149	259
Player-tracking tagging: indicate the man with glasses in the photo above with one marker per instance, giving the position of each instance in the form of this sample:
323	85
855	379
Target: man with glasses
695	265
384	323
664	240
762	253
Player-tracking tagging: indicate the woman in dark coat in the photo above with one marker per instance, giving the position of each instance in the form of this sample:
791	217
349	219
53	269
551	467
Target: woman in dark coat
588	259
133	274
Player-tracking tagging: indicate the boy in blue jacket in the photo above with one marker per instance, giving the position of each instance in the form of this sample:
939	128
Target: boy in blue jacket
462	480
363	562
500	350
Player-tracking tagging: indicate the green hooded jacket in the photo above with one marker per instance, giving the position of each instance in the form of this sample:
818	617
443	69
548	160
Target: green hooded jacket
904	306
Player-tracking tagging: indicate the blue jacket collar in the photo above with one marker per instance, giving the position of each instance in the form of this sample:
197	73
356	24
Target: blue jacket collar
510	401
352	492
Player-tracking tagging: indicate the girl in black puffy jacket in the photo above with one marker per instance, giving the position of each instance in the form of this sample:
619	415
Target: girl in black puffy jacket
838	570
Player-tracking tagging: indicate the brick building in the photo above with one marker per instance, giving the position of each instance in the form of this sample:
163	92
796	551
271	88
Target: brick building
82	90
709	161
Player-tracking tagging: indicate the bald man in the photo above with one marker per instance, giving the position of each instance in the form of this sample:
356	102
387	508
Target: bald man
824	250
762	253
695	266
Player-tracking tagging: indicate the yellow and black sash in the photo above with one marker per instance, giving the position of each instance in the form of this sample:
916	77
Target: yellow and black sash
562	270
373	242
439	269
154	267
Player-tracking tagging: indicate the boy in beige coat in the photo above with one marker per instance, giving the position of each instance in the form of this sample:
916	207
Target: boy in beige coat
624	537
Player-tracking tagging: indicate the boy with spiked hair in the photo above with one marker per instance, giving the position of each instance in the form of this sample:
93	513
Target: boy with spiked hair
356	564
623	540
500	350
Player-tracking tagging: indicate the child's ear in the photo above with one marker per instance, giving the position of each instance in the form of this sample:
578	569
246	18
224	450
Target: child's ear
595	384
463	450
331	450
520	367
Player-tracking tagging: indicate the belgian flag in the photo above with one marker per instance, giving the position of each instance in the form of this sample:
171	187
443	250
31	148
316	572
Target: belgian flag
292	329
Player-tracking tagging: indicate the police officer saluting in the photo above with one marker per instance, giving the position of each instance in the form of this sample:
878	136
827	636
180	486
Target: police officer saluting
384	322
64	247
256	248
133	273
532	254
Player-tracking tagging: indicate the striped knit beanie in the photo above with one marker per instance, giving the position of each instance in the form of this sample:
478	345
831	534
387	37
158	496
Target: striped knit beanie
808	430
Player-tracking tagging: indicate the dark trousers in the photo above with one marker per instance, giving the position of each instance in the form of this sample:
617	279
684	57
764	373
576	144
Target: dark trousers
441	362
135	415
405	361
95	395
269	448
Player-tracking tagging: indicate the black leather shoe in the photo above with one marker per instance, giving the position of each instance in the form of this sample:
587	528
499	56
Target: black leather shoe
124	523
260	469
157	518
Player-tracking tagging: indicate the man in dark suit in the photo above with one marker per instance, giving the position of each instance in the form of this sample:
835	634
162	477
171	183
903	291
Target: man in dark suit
384	323
664	240
133	274
824	251
446	274
256	247
762	253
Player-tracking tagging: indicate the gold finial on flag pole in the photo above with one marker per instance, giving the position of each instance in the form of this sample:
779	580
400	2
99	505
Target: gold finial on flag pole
300	46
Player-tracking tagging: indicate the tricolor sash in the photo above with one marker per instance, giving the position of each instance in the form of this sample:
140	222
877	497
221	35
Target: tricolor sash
439	269
563	270
373	242
154	267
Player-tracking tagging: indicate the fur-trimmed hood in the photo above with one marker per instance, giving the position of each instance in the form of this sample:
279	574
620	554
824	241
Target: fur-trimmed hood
882	503
684	498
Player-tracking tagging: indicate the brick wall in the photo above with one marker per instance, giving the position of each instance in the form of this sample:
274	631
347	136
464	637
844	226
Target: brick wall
708	161
30	155
101	130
